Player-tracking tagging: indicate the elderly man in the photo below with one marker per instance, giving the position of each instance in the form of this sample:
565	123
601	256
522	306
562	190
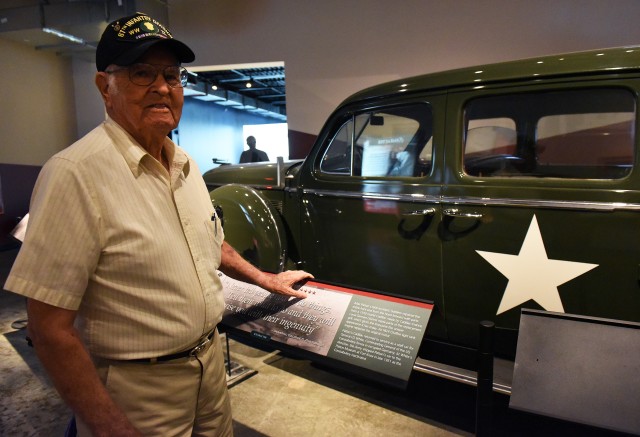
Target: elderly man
119	260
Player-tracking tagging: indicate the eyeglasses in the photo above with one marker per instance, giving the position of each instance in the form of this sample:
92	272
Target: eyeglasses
146	74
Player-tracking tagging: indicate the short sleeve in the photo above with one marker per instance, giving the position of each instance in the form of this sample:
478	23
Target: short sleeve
62	243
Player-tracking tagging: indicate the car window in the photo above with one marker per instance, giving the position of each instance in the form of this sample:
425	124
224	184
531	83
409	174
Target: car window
337	158
581	134
394	142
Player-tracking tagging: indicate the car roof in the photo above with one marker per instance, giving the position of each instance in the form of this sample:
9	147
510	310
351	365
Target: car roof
577	63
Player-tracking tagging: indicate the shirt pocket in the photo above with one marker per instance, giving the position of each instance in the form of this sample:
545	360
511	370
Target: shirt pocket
215	239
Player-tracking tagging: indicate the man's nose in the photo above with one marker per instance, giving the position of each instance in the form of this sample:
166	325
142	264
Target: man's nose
161	82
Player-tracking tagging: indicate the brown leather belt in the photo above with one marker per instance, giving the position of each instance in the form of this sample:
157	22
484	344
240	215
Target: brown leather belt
186	353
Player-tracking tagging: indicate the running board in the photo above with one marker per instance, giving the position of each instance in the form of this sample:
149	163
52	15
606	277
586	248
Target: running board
502	373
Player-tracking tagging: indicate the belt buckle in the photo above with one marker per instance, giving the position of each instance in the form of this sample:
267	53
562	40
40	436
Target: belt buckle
199	347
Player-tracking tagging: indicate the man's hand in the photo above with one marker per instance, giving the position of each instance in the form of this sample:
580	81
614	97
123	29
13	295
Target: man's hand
283	283
236	267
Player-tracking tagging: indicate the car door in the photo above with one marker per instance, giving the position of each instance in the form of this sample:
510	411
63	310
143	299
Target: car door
540	205
369	197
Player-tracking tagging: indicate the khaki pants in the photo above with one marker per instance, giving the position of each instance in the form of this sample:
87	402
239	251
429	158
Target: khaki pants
182	397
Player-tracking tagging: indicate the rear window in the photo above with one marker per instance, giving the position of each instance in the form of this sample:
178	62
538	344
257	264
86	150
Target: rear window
580	134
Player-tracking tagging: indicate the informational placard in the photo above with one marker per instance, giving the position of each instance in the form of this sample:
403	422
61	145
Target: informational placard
363	329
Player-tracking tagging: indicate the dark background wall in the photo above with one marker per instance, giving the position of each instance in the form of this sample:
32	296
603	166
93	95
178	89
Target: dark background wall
16	184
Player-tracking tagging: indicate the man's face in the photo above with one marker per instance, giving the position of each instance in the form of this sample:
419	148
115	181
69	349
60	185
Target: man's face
144	111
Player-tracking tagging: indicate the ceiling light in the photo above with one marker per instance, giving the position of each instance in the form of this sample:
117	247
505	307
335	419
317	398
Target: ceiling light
64	35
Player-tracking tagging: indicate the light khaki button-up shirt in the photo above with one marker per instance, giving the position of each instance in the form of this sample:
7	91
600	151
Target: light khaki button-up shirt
133	248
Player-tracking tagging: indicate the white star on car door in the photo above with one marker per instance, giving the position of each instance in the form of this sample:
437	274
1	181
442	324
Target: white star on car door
532	275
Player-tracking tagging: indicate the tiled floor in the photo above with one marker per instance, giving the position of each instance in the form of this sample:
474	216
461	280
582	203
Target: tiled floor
29	406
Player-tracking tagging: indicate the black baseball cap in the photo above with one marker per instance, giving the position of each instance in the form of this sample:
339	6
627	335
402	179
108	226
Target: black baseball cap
126	39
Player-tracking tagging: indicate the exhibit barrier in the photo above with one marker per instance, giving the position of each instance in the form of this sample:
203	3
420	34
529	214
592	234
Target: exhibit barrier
575	368
578	369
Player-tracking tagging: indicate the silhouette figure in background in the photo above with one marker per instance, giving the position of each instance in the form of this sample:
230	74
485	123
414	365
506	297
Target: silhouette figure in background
253	154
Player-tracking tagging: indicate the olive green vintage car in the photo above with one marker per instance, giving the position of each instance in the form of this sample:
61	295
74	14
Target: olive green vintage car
484	190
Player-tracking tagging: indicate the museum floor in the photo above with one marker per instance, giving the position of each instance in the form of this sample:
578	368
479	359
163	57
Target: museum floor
283	396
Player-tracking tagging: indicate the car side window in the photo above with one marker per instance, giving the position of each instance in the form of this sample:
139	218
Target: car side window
337	158
389	142
579	134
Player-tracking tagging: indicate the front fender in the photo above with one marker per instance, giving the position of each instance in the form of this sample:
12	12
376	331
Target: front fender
252	226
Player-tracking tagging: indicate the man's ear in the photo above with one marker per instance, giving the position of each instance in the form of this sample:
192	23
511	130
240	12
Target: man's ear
102	83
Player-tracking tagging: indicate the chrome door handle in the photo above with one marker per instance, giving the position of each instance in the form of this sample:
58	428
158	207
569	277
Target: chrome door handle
454	212
428	211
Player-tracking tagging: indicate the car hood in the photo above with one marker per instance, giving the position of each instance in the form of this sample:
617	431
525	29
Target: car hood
254	174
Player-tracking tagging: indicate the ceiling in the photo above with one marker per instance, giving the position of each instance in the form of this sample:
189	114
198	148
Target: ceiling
50	25
33	21
266	94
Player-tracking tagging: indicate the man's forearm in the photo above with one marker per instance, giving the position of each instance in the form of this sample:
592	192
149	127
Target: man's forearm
73	374
233	265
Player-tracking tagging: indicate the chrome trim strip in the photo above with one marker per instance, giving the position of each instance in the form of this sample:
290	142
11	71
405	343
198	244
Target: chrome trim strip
274	187
502	378
540	203
423	198
480	201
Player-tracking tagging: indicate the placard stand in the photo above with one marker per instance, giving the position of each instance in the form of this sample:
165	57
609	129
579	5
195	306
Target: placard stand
236	372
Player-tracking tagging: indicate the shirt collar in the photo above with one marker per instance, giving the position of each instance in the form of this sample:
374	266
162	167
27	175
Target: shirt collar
134	154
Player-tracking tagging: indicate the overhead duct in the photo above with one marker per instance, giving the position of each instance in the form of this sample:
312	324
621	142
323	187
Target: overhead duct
69	27
212	95
194	89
